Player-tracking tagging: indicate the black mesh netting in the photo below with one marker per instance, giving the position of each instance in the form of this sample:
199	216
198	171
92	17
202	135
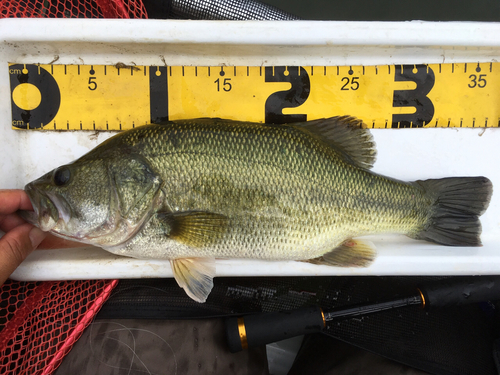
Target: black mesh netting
455	340
215	10
227	10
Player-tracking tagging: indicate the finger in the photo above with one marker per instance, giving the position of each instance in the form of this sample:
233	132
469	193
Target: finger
13	200
9	222
15	246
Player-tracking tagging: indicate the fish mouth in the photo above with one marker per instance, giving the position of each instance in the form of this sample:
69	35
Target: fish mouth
49	209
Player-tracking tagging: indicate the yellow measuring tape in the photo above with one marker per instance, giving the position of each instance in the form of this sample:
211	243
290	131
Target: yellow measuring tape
107	97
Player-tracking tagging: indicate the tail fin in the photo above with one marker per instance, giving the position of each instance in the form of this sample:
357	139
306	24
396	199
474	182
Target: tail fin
457	204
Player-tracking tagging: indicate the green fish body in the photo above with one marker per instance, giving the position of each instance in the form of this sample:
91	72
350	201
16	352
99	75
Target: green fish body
194	190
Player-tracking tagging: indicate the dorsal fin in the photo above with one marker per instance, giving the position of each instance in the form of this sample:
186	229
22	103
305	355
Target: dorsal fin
347	136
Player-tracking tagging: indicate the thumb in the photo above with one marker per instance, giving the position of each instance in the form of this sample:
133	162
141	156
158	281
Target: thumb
15	246
36	237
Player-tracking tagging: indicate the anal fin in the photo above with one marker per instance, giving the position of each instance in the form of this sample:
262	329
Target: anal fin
195	276
351	253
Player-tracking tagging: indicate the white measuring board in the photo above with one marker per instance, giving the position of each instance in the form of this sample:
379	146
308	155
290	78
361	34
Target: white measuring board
406	154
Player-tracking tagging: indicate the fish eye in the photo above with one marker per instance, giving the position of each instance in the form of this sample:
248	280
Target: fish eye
62	176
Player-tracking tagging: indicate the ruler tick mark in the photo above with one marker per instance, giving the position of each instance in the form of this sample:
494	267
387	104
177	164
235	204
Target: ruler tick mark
209	71
477	67
196	71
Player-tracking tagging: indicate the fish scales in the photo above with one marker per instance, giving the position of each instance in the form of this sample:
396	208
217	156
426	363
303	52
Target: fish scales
288	196
191	191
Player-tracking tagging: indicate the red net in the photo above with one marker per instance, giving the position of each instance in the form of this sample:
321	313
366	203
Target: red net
41	321
72	9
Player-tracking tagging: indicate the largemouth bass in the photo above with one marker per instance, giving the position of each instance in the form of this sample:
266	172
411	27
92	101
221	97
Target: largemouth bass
194	190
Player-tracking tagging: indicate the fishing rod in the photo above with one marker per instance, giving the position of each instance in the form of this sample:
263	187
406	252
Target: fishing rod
259	329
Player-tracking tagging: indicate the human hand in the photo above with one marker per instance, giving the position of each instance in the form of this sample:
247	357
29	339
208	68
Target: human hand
21	238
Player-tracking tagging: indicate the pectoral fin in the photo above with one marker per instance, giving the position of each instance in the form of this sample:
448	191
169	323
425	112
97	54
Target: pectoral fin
195	276
194	228
351	253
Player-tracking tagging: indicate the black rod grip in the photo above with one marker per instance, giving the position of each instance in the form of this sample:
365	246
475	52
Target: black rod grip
452	292
260	329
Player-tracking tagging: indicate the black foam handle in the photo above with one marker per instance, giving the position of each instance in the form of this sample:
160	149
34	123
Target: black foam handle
450	292
260	329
